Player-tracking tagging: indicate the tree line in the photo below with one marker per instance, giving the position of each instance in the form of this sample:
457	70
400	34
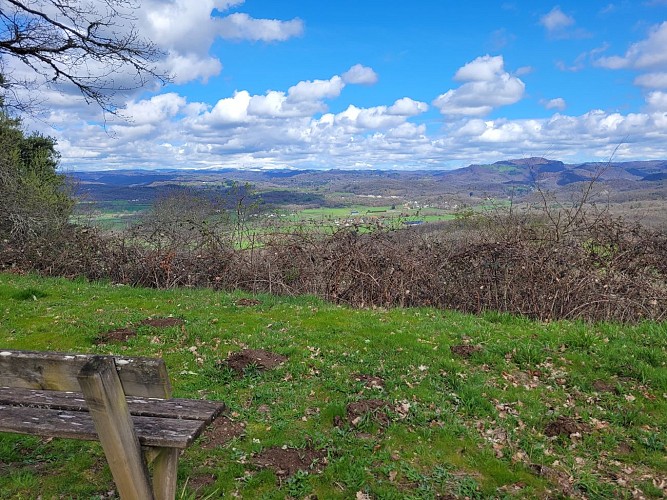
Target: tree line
34	197
93	48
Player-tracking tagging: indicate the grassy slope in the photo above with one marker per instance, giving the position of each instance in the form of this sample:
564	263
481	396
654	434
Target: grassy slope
474	427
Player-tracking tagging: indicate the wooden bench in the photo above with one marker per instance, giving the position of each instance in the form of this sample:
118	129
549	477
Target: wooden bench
122	402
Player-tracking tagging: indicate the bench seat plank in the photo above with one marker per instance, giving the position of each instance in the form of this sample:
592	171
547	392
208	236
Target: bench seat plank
176	408
122	402
145	377
151	431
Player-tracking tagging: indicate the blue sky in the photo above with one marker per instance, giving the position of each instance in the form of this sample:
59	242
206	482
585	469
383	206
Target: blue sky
384	84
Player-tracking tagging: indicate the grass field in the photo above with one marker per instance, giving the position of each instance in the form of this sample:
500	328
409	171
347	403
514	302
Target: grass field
117	215
325	219
110	215
387	404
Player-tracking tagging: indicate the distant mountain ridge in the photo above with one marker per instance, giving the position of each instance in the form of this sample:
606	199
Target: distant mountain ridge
629	169
515	177
557	173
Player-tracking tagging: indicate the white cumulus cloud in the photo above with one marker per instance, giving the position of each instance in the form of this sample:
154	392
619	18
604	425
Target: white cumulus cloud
241	26
316	89
190	66
557	103
356	119
231	110
360	74
154	110
650	53
301	101
559	25
652	80
556	20
235	134
487	86
407	107
269	105
657	101
186	31
482	69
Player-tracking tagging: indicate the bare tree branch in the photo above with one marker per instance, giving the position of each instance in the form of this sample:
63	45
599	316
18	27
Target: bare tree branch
94	46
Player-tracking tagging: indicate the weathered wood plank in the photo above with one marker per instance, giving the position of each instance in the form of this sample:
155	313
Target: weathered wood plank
104	395
143	377
149	407
124	404
151	431
165	474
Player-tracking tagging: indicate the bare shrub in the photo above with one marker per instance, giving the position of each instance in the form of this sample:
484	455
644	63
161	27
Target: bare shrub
605	271
595	268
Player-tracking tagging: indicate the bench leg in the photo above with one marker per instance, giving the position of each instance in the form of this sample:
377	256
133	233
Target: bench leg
165	471
107	405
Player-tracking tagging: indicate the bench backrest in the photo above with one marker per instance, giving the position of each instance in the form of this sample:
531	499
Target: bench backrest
141	377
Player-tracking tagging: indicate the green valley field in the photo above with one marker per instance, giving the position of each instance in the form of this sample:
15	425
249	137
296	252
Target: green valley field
333	402
116	199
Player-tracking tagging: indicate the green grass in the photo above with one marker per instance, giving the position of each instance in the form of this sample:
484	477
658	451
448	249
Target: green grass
469	427
327	219
110	215
361	211
120	214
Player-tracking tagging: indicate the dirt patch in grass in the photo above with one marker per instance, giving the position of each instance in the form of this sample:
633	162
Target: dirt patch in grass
287	461
464	351
196	483
374	409
247	302
117	335
161	322
565	426
604	386
221	431
369	381
560	479
624	448
263	360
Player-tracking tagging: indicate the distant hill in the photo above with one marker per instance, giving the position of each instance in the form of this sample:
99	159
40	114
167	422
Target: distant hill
556	172
635	180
